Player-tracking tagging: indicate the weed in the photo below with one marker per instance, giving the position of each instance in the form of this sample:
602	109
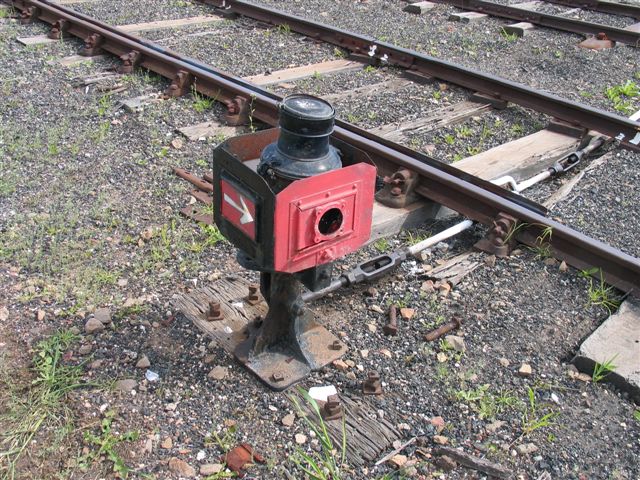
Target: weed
326	464
516	129
417	237
200	102
252	109
338	52
212	233
531	418
225	440
599	292
437	95
487	403
370	69
636	415
352	118
463	131
104	104
106	441
471	151
623	96
509	37
449	139
201	162
42	407
558	54
283	29
602	370
317	76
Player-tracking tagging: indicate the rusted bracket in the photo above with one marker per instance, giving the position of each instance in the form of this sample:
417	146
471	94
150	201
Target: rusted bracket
237	111
59	29
500	239
29	15
398	190
92	45
130	61
181	84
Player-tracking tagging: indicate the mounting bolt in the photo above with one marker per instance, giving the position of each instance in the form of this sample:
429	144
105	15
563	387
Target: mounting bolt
215	312
372	384
277	377
391	328
254	296
332	409
336	345
442	329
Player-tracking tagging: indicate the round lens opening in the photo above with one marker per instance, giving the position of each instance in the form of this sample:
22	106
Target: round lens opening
330	221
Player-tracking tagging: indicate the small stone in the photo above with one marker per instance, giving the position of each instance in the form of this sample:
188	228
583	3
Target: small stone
398	461
148	446
123	282
456	342
103	315
386	352
211	469
201	455
407	313
126	385
428	286
218	373
445	463
493	427
96	364
85	349
440	439
143	362
525	370
563	266
364	353
376	308
4	314
340	365
181	468
444	289
288	420
93	325
583	377
442	357
438	422
550	261
167	443
40	315
372	327
300	439
371	292
171	407
208	359
177	143
504	362
350	363
351	375
489	261
526	448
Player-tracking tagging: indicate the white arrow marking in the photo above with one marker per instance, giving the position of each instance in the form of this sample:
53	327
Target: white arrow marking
244	210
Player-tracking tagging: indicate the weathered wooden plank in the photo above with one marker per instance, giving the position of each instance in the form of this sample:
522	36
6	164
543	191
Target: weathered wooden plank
456	268
368	90
521	158
389	221
210	129
297	73
74	60
467	17
176	23
520	29
419	7
134	28
456	113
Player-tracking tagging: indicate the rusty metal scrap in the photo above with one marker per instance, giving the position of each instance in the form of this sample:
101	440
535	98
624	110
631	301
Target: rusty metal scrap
391	328
372	384
454	324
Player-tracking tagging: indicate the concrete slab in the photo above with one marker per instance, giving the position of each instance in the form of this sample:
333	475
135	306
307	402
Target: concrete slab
616	340
520	29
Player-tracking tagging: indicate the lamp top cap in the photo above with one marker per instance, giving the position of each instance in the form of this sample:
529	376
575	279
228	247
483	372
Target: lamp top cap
307	107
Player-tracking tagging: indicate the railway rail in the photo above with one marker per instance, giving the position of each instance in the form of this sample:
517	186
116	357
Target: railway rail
477	199
628	37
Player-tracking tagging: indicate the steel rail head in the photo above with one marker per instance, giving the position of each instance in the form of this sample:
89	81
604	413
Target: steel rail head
623	129
615	8
446	185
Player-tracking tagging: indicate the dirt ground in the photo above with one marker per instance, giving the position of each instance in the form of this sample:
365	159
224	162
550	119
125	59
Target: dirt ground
115	383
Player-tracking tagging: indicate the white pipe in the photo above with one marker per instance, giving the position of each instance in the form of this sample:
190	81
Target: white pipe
465	224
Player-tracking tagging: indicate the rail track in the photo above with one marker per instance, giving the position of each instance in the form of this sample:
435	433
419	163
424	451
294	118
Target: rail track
477	199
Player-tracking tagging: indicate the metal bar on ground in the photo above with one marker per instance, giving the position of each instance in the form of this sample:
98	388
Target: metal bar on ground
614	8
